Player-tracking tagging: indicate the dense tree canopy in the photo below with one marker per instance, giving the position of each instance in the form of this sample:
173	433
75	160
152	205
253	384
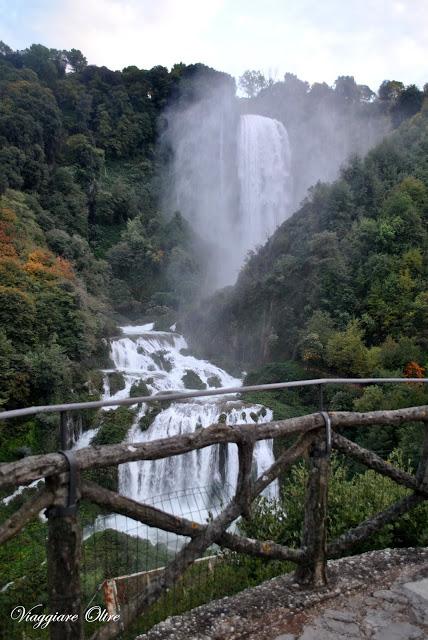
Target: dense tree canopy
81	234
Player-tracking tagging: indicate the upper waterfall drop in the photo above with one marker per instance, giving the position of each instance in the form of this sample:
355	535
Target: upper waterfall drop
229	175
264	159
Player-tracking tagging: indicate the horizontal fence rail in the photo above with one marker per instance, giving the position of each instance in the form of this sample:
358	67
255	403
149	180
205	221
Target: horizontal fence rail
179	395
314	436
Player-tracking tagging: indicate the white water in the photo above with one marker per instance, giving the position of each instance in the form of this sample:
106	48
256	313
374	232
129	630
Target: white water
230	178
195	482
264	177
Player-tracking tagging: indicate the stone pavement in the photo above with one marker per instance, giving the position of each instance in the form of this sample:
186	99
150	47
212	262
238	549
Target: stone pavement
399	612
380	595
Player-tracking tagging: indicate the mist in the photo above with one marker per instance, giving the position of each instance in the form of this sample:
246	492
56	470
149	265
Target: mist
200	179
239	167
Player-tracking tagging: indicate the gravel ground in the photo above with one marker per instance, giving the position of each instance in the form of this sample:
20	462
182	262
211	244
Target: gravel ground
380	595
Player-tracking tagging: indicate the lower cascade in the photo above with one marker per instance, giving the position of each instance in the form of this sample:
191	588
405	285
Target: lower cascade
160	360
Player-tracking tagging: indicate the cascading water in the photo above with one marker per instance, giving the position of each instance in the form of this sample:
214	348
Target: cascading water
160	359
230	177
264	178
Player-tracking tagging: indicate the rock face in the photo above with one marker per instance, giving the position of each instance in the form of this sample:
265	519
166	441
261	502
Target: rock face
380	595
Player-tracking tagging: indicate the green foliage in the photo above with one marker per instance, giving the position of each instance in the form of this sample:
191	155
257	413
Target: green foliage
113	428
113	425
346	352
276	372
157	260
214	381
251	82
152	411
343	284
285	403
408	437
49	326
112	553
23	568
80	139
351	500
191	380
86	160
116	381
139	389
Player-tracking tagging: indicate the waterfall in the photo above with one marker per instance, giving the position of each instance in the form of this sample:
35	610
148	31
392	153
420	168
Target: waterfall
230	177
161	360
264	178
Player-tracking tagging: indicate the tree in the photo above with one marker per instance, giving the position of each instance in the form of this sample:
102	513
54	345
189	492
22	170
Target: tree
49	64
319	92
251	82
5	50
86	159
347	89
75	59
352	499
6	372
29	115
365	93
390	90
407	104
346	352
295	86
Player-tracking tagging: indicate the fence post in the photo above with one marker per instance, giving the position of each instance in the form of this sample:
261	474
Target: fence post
313	571
64	547
422	470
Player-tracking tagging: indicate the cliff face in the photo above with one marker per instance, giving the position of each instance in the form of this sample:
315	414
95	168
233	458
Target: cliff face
380	594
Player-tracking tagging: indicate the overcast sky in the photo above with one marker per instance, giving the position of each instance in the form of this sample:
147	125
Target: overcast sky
318	40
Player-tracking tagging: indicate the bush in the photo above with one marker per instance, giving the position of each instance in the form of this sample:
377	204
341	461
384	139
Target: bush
113	425
191	380
116	382
154	409
351	500
139	389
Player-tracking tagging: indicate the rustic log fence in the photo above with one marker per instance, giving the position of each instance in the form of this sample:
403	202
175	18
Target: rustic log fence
316	434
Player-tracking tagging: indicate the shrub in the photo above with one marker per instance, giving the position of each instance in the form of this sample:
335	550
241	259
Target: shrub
191	380
351	500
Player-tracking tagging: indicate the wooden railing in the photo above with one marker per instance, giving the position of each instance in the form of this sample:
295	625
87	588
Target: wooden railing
315	435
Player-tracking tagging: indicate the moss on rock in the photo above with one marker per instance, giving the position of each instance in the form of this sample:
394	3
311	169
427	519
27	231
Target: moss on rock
116	382
214	381
139	389
113	425
191	380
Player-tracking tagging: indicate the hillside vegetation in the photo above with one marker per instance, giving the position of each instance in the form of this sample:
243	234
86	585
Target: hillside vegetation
343	284
81	236
83	242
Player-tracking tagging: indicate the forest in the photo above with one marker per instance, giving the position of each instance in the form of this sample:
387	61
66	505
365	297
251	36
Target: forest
86	244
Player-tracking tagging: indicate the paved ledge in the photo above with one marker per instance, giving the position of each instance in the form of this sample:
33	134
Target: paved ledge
379	595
